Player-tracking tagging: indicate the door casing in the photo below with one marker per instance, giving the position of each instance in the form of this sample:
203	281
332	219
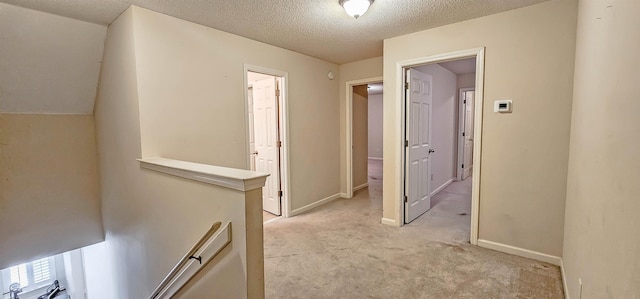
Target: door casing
401	67
284	130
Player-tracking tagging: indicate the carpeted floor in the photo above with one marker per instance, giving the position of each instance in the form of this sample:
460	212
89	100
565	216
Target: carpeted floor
340	250
268	217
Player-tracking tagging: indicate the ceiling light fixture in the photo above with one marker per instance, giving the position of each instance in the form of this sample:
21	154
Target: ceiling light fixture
356	8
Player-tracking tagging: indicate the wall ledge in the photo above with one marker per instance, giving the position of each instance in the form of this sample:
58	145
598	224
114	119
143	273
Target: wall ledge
232	178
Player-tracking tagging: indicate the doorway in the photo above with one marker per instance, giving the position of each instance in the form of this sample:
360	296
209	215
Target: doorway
266	135
367	136
435	107
357	127
430	157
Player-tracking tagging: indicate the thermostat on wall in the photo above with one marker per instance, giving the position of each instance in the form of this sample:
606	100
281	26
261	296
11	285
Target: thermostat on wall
502	106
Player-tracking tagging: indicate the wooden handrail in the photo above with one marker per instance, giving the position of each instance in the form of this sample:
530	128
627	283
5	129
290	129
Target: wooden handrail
208	247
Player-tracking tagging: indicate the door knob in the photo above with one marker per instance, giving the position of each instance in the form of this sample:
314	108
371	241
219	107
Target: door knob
255	153
431	151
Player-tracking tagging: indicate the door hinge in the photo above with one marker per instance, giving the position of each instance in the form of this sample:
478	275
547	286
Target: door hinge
280	193
279	144
462	165
465	101
406	85
277	92
463	134
406	143
406	199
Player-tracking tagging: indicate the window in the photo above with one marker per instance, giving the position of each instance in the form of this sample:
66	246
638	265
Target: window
30	276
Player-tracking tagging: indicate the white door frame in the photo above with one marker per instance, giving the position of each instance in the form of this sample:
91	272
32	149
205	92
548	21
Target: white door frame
461	115
349	129
284	129
477	53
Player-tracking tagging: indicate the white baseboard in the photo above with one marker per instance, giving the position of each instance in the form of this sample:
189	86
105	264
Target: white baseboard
365	185
344	195
387	221
272	220
564	280
315	204
374	158
543	257
445	185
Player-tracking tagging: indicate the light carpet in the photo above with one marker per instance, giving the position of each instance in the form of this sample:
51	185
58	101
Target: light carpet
340	250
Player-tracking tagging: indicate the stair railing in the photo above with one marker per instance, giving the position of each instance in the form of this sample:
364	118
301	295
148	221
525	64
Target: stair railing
207	248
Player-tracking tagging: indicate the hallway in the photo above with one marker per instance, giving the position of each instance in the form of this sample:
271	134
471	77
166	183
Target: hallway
340	250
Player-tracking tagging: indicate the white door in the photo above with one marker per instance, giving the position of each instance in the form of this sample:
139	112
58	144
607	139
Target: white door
265	111
467	161
252	134
418	145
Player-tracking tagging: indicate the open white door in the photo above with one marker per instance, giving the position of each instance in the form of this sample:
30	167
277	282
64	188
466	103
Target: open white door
252	134
267	152
417	145
467	161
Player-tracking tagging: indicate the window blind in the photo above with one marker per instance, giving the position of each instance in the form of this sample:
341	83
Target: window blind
19	274
41	270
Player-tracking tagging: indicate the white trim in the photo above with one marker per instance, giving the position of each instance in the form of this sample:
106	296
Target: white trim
445	185
272	220
343	195
390	222
237	179
349	129
543	257
365	185
478	53
315	204
461	119
74	273
478	104
284	131
374	158
46	113
564	280
399	127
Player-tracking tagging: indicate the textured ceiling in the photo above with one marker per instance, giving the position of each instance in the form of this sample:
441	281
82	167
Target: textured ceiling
319	28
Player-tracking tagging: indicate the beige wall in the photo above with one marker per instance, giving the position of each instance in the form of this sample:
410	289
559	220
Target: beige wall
360	134
115	266
150	219
443	125
168	88
601	243
364	69
49	192
375	125
191	91
50	64
529	59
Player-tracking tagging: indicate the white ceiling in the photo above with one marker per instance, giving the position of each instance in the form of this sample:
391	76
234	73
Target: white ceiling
460	67
319	28
375	88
